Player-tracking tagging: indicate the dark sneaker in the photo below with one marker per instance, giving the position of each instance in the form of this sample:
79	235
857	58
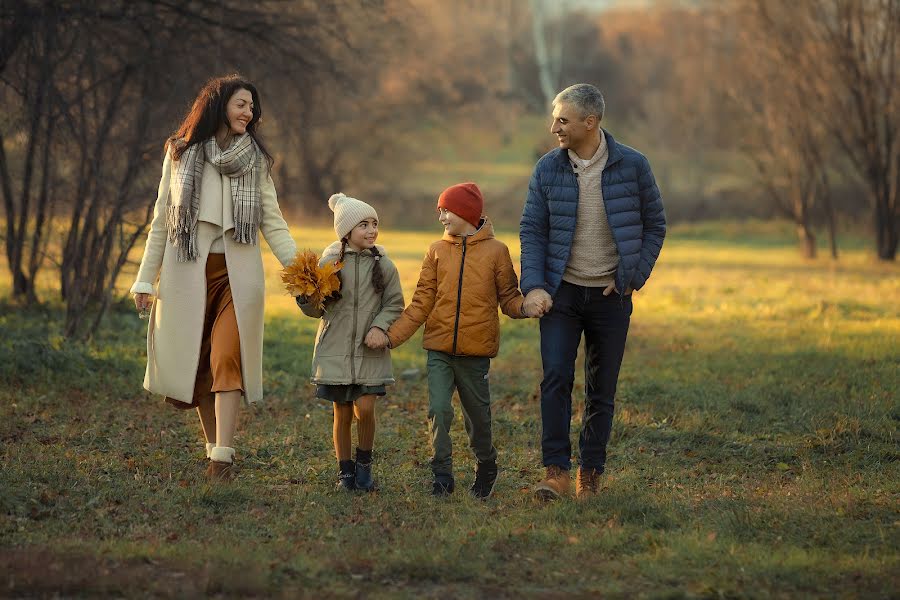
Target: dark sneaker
347	477
485	479
442	485
364	481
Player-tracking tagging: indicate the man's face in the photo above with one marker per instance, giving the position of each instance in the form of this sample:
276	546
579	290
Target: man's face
569	127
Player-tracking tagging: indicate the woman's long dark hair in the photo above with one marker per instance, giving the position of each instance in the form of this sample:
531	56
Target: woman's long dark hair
209	112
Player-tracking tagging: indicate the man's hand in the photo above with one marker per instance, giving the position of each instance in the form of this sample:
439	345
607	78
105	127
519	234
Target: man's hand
537	303
612	289
377	339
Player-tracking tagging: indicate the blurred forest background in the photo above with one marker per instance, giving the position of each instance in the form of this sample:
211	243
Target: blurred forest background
757	109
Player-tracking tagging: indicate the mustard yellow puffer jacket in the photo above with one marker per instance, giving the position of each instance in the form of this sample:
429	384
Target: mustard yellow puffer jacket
462	282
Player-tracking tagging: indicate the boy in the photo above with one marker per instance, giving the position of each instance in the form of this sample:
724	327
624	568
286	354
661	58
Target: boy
464	277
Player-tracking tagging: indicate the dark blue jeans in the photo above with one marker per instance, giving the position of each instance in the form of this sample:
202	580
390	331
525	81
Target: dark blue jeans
604	321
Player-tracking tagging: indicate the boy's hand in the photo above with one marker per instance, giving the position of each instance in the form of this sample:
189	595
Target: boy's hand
377	339
538	303
532	312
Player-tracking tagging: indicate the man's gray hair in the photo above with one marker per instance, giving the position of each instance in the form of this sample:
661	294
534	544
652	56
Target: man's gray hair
585	97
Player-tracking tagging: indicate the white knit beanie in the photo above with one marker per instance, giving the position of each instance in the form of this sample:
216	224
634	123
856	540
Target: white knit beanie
348	212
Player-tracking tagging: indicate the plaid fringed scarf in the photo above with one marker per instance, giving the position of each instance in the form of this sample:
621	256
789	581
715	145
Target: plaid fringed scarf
242	163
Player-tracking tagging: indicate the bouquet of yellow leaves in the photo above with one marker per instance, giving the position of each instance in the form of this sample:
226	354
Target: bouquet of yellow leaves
304	277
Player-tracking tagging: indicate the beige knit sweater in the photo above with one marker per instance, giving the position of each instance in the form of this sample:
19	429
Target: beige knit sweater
593	259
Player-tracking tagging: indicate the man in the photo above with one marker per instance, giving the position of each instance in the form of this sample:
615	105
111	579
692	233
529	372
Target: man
591	231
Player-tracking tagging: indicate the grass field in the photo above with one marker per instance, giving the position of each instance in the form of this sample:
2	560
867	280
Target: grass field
754	453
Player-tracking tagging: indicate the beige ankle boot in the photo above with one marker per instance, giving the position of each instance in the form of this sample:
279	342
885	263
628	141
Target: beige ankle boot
221	464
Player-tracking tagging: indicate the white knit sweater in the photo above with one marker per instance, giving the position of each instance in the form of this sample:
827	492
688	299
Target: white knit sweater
593	259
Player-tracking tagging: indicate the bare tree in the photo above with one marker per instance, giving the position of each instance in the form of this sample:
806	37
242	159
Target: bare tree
548	45
844	56
780	137
93	82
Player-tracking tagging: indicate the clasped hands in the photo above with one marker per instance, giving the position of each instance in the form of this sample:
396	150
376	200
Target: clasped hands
377	339
537	303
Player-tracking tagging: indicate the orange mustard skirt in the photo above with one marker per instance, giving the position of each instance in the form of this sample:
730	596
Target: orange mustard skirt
219	369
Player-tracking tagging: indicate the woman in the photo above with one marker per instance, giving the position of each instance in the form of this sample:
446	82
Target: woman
204	341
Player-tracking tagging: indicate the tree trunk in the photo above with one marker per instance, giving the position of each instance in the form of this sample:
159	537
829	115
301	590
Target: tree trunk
885	228
546	75
830	214
807	240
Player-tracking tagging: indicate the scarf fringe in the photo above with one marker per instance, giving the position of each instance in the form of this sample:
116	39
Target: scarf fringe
245	233
182	232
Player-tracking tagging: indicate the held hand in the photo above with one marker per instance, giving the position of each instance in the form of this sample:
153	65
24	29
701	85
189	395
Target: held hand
533	311
612	289
538	303
377	339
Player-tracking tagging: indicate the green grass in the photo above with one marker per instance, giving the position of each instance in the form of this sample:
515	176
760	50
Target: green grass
754	453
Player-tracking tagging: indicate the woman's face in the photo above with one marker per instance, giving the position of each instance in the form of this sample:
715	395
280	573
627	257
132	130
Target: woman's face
239	111
363	236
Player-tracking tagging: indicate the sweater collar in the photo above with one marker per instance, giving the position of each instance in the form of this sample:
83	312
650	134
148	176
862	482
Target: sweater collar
600	154
615	154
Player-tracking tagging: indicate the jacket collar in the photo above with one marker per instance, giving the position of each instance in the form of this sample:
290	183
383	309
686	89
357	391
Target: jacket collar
334	250
485	232
615	154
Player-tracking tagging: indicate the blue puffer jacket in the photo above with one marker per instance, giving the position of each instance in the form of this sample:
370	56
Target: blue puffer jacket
633	207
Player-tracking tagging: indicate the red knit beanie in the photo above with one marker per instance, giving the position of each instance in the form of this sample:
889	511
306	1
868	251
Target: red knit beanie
465	200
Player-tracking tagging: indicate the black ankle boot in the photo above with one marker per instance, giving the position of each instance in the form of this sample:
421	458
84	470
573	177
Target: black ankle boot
485	478
443	484
364	480
347	477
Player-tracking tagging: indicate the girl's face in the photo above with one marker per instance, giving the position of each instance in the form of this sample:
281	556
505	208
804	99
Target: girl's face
363	236
239	111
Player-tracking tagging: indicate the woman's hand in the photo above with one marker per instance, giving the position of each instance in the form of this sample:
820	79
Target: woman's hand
142	301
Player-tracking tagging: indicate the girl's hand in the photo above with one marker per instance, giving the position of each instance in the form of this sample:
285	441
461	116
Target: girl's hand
377	339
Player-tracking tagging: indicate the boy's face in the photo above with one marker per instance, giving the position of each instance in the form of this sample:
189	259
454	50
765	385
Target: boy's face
363	236
453	223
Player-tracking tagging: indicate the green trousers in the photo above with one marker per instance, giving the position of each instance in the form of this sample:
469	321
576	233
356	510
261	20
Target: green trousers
469	376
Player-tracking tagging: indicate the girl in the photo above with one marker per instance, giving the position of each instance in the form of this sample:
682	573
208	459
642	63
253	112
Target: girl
202	262
351	364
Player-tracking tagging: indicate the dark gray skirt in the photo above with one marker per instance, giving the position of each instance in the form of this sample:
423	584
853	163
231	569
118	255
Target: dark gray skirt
347	394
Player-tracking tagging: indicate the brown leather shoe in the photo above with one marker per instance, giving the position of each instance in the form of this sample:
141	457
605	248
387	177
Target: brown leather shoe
557	483
220	471
587	483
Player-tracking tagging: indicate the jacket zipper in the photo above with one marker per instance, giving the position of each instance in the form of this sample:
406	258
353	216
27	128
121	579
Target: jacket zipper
355	309
462	267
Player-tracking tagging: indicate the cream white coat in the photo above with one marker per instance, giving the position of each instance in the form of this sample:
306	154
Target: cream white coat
176	320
